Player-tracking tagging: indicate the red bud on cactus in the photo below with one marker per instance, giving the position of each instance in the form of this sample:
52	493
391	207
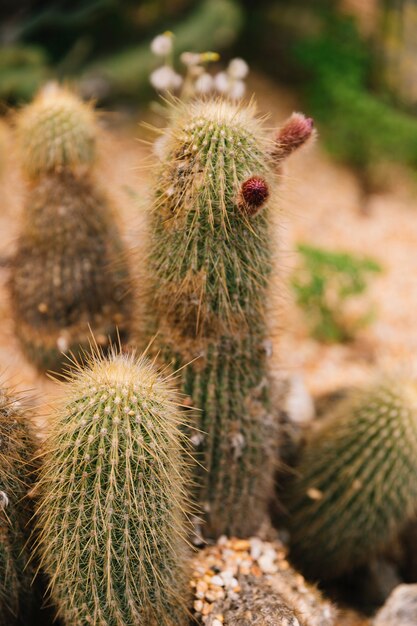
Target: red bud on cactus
295	132
254	192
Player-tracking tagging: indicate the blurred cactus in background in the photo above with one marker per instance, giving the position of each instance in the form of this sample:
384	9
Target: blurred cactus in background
209	262
112	507
18	602
355	486
69	276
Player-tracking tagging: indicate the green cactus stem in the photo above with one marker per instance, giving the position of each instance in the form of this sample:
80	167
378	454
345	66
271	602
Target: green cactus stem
17	448
69	274
112	504
356	483
209	262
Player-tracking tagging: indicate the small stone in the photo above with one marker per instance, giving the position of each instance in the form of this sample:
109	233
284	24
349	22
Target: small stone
198	606
256	547
267	564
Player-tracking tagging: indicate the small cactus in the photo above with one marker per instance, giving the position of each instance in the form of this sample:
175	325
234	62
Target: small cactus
57	131
210	258
68	274
17	447
112	508
356	483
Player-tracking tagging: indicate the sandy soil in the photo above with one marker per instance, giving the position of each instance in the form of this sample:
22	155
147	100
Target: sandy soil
320	204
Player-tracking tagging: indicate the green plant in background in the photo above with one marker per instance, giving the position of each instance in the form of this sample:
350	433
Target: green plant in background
322	52
324	284
112	512
102	46
69	273
209	262
355	486
17	449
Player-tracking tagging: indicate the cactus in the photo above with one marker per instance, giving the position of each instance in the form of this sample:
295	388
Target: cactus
17	446
356	482
209	261
112	508
57	131
68	273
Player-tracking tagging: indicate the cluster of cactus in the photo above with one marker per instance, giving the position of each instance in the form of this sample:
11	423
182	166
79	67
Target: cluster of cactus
356	482
68	273
112	511
113	496
209	262
17	448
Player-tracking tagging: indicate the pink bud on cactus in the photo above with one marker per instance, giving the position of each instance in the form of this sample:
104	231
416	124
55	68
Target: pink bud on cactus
295	132
254	192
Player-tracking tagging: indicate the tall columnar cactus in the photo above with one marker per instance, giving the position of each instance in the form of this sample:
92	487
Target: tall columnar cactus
209	262
69	273
356	483
17	446
112	507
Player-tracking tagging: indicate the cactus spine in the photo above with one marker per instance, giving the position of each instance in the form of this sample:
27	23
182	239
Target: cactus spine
68	273
210	257
356	483
111	514
17	599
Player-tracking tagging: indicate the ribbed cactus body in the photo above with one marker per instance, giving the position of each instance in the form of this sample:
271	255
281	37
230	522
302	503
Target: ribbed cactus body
210	258
57	131
17	598
69	274
356	484
111	515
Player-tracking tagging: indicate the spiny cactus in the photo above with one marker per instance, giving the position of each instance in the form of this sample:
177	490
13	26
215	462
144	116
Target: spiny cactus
56	131
112	507
356	483
68	273
17	446
210	257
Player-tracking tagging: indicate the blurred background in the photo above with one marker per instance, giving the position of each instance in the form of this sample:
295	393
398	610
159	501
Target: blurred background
349	237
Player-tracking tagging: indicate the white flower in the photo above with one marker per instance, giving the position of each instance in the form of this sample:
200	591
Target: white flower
237	90
221	82
165	78
162	45
238	68
176	80
190	58
204	83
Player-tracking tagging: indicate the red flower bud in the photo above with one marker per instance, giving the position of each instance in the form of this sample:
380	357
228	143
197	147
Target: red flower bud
254	192
295	132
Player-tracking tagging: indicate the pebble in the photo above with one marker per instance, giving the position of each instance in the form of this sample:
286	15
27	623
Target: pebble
218	568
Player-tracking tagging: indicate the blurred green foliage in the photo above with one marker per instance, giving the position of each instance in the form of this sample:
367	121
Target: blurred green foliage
103	45
317	48
324	283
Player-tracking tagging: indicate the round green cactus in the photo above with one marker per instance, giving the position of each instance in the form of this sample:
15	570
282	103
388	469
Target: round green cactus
17	448
111	518
55	132
209	262
356	483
